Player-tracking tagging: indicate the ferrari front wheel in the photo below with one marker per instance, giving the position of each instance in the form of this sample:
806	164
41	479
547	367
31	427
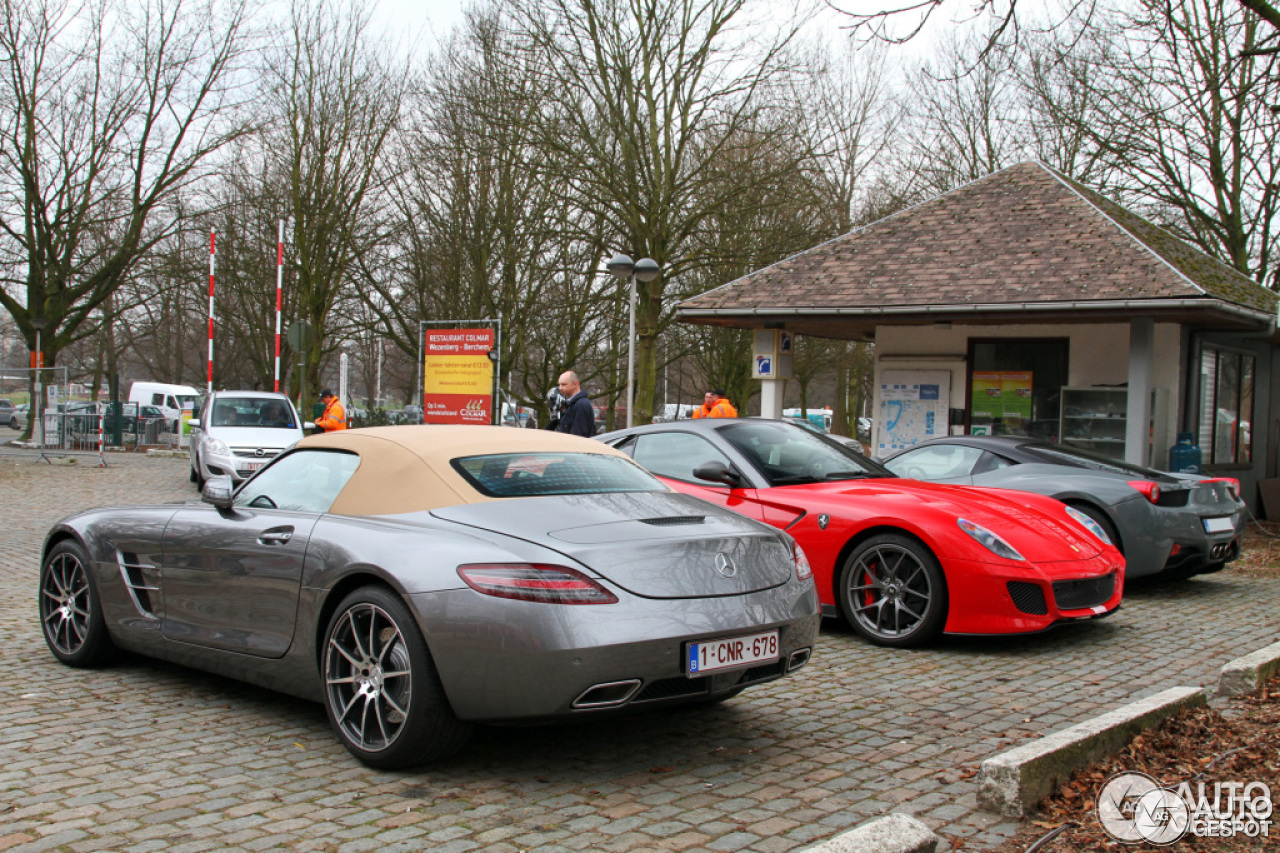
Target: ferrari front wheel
382	693
893	592
70	613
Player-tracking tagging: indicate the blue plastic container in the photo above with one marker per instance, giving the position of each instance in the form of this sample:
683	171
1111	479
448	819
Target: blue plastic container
1184	457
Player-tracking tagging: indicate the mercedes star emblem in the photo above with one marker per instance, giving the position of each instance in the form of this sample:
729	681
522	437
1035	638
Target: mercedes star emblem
725	565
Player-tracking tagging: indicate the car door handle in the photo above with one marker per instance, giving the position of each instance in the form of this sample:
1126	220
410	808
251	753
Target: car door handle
279	534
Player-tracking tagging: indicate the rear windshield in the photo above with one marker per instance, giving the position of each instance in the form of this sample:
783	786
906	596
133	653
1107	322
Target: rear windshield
522	475
1063	455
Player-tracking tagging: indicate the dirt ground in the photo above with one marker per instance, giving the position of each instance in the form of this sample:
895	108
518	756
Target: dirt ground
1236	741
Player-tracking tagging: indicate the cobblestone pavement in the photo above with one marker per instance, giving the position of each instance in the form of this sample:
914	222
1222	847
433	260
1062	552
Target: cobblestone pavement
148	756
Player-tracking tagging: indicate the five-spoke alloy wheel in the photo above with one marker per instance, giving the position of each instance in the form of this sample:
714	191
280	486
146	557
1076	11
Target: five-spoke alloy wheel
893	592
382	692
70	613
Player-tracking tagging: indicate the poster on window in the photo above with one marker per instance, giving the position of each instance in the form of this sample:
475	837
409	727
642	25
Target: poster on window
1001	395
912	406
457	377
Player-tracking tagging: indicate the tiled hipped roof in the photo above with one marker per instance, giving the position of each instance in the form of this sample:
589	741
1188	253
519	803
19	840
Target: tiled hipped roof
1024	235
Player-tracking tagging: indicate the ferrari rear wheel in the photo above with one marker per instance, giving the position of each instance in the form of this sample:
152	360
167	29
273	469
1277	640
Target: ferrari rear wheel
382	692
893	592
70	613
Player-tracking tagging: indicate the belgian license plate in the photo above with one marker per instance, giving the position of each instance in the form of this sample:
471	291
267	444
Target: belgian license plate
1219	525
715	655
250	467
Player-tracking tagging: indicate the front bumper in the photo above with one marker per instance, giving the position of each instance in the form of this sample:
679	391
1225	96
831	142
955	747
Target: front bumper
505	660
1005	598
238	468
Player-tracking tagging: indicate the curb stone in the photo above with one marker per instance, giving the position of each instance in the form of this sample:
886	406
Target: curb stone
1012	782
891	833
1245	675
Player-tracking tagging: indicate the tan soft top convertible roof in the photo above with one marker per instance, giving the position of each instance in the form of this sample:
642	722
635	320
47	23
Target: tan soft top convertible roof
406	468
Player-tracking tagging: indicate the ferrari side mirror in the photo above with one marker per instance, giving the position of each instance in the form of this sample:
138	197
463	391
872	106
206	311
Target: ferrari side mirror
718	472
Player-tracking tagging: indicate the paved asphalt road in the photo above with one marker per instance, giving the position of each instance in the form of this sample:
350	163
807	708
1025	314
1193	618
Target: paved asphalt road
148	756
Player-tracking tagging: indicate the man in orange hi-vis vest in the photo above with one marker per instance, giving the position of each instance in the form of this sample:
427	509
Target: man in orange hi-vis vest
334	417
715	405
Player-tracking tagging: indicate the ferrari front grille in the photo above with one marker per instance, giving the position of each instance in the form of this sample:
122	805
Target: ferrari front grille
1085	592
1028	597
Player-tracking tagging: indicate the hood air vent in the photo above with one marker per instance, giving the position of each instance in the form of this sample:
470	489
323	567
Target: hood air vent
670	520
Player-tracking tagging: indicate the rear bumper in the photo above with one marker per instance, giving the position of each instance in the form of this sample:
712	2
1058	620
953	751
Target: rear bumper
505	660
1160	538
988	598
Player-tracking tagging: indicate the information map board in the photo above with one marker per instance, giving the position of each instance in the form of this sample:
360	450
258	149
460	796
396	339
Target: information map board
457	376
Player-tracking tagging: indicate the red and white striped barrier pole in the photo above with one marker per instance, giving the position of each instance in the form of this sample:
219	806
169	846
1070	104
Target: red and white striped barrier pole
211	269
279	289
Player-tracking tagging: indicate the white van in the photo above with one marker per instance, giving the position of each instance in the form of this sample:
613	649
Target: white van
167	398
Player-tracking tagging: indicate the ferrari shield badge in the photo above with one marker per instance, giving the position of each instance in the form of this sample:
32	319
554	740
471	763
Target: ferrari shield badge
823	521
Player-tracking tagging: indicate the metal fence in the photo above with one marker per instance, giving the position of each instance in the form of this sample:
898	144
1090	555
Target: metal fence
67	425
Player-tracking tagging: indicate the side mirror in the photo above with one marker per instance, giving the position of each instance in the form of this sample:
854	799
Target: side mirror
194	423
718	472
217	491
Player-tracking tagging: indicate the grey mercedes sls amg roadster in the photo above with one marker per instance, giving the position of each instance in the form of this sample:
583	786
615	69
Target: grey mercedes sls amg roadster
418	579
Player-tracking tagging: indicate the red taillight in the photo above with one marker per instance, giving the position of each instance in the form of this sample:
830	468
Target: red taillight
1231	483
1150	490
530	582
803	570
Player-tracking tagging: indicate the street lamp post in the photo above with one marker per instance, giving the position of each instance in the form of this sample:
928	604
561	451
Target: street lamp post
645	269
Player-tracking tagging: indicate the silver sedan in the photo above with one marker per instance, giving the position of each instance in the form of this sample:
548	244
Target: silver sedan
417	580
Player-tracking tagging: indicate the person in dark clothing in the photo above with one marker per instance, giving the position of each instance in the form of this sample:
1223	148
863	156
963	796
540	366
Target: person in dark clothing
578	417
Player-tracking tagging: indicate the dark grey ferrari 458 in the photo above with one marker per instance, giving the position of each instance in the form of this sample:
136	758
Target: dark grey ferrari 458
418	579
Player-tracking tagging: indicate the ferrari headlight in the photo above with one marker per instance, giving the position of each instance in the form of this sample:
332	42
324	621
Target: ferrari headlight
989	540
1089	524
217	447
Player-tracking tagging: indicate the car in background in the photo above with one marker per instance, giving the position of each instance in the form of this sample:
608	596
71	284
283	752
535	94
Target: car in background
417	579
17	416
1171	525
6	410
851	443
902	561
239	432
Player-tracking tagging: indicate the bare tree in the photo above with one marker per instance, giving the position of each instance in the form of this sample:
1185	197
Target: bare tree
487	230
338	95
967	117
109	111
1180	119
655	91
853	119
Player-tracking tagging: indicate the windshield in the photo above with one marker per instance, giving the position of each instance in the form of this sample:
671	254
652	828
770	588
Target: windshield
1059	454
788	454
523	475
252	412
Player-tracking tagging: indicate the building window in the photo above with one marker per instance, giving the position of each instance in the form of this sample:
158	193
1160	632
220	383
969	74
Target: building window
1015	385
1226	407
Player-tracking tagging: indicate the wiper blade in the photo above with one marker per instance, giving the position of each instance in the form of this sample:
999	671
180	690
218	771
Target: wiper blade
852	475
794	480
